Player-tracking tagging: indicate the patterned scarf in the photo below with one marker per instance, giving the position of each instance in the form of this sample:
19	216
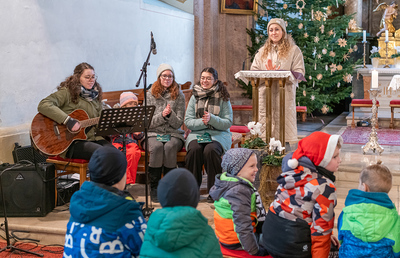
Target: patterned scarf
89	95
206	100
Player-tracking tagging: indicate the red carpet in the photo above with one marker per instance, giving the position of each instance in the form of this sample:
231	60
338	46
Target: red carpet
47	251
359	135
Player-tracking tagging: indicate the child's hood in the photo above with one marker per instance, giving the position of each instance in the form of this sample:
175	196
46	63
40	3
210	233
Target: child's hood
291	177
223	183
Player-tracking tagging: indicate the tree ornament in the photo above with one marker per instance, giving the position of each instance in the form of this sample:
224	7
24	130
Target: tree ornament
319	76
322	28
312	97
330	33
355	48
347	78
338	84
326	67
300	5
304	93
342	42
324	51
315	66
319	56
316	39
351	50
325	109
300	26
345	57
333	68
310	77
314	52
306	35
318	15
284	6
339	67
313	83
328	11
352	95
332	54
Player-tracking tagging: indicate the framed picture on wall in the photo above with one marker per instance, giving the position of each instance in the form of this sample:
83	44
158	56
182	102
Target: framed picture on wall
239	6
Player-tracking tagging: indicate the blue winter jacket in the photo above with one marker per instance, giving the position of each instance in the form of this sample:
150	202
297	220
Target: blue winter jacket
369	226
103	224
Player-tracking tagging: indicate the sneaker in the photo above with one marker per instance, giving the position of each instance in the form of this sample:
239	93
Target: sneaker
76	176
210	199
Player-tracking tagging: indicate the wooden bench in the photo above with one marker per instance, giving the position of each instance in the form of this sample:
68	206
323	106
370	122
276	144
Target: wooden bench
362	103
302	110
395	103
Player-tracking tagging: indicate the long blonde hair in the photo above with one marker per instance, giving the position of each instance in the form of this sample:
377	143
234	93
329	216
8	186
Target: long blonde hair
284	46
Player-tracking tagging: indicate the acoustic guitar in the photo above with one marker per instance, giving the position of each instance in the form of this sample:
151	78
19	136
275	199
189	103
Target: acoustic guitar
52	138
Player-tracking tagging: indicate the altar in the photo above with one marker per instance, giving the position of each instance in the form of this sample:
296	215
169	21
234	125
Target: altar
363	84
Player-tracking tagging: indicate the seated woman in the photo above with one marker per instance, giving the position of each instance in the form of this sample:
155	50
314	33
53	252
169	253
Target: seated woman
209	117
133	153
165	138
79	91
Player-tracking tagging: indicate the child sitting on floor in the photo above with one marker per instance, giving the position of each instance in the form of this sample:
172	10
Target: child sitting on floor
179	229
300	220
133	152
238	211
105	221
369	225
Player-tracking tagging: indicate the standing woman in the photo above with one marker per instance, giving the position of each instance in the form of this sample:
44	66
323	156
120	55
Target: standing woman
79	91
165	138
280	52
209	117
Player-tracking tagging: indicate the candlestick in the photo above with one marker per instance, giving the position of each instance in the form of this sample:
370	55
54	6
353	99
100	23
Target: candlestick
386	60
364	35
386	36
372	143
374	79
364	43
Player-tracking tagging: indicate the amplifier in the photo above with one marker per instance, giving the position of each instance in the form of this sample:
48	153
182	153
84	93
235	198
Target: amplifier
27	192
26	153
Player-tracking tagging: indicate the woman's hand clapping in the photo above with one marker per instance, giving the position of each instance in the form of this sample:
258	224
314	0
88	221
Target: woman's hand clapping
206	117
167	110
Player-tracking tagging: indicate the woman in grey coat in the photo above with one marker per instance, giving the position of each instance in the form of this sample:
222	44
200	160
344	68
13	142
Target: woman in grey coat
165	138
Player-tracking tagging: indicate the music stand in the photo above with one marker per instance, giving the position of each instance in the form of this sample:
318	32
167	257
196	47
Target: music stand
124	121
9	247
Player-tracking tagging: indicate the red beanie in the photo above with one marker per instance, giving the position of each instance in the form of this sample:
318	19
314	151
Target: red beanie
318	147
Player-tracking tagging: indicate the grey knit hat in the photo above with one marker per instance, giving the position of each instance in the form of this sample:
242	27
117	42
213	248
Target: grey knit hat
235	159
162	67
278	21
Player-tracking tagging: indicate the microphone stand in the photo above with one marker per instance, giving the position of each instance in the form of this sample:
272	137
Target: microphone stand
9	247
146	210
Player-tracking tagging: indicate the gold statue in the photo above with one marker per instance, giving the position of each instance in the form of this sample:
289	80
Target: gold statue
388	16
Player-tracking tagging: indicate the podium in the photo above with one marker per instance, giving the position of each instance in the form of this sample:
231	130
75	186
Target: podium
271	79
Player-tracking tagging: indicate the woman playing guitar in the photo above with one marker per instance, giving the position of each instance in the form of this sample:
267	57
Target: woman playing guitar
77	98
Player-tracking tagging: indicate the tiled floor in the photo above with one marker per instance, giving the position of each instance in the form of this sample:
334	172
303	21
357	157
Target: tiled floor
51	229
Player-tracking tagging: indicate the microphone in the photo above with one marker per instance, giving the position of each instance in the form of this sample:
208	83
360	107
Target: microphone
153	44
253	55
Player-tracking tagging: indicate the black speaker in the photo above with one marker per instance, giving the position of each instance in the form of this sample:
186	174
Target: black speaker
26	153
27	192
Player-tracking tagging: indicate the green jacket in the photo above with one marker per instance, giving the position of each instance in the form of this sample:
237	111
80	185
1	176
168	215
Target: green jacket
179	231
58	105
221	123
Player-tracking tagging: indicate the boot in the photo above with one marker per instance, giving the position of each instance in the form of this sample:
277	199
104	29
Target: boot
166	170
154	176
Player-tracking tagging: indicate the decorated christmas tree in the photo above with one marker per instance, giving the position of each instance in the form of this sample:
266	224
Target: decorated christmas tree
322	37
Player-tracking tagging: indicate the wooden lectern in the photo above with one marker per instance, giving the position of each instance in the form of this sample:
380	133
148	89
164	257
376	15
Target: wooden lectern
269	77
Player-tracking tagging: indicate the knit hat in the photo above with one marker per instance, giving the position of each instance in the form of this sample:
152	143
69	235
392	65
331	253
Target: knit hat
235	159
178	188
278	21
164	67
126	97
318	147
107	166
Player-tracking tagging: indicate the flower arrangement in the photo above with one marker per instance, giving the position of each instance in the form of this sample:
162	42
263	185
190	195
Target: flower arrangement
254	142
275	153
397	52
375	52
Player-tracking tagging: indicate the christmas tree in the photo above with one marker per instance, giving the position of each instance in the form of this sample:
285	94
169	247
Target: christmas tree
322	37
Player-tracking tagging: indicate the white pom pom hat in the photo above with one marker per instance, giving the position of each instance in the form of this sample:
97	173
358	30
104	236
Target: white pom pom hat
318	147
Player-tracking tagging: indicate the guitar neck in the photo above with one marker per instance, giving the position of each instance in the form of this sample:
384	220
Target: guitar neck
89	122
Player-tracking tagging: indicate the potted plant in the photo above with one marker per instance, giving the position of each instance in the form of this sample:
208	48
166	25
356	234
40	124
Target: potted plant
270	170
375	56
396	57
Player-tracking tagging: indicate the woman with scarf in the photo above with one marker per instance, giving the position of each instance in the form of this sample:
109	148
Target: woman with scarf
280	52
79	91
209	117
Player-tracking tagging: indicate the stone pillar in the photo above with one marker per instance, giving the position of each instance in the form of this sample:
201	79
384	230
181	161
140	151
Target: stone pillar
356	7
220	41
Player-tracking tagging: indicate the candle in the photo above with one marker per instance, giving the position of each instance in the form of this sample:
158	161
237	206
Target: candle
374	79
386	36
364	35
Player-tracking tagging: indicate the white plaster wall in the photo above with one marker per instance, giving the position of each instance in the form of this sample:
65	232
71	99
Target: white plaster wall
43	40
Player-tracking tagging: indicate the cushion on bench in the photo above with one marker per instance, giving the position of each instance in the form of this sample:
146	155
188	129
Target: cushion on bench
242	107
363	102
395	102
82	161
301	108
239	129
